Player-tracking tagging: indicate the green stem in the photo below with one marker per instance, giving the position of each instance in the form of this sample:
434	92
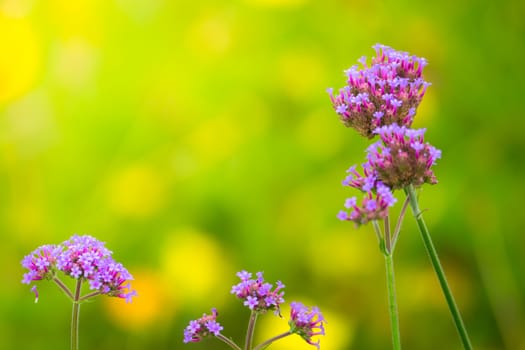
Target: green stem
392	302
249	332
379	235
271	340
431	250
63	287
87	296
75	316
388	242
228	341
399	222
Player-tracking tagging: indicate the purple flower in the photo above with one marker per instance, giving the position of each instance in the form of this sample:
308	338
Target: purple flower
374	206
41	263
385	92
251	302
306	322
402	157
80	257
202	327
258	294
34	290
214	327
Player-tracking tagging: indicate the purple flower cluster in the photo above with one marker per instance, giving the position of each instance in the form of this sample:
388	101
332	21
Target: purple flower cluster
385	92
374	206
260	297
41	263
400	158
258	294
306	322
80	257
203	327
381	99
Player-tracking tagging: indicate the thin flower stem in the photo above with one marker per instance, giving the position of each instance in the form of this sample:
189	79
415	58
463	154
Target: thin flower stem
271	340
392	302
399	222
87	296
63	287
228	341
379	235
75	316
386	249
388	242
431	250
249	332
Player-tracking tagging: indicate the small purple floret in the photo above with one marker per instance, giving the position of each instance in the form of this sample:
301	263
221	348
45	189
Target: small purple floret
205	326
306	322
258	294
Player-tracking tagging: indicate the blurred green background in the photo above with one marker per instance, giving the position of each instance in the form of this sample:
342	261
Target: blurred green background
197	140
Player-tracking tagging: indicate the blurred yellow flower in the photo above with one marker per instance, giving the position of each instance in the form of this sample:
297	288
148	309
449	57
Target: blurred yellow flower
196	268
339	330
150	305
20	57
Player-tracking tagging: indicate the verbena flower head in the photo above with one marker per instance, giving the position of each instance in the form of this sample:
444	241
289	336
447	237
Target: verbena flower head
258	294
80	257
306	322
202	327
387	91
374	206
41	263
401	157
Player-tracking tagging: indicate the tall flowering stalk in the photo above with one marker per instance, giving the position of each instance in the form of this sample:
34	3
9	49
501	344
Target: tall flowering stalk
381	100
86	260
260	297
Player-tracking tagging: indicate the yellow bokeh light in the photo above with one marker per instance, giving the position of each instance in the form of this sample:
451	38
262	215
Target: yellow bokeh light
75	63
137	191
20	59
215	139
196	266
16	8
147	308
339	330
211	35
81	18
29	125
